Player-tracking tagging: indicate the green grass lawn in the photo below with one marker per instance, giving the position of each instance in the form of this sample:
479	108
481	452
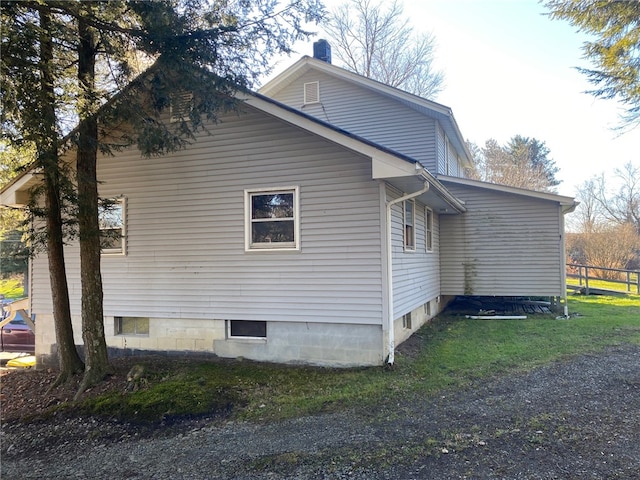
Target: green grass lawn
608	285
451	352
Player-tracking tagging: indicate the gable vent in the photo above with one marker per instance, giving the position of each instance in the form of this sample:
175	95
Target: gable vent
181	105
311	92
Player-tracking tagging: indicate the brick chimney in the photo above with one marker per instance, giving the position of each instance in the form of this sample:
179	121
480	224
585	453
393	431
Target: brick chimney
322	50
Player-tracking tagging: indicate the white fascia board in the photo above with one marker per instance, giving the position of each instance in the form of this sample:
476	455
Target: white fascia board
16	194
568	203
283	79
387	166
306	63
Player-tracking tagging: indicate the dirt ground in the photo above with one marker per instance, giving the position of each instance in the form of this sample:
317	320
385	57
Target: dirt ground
24	392
578	418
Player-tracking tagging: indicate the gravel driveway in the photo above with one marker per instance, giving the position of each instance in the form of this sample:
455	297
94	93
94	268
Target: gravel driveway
575	419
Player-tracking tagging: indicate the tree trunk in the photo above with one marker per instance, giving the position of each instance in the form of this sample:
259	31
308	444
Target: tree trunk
96	355
69	361
68	358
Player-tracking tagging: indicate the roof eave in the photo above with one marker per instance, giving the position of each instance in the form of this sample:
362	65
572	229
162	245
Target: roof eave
17	193
568	204
305	63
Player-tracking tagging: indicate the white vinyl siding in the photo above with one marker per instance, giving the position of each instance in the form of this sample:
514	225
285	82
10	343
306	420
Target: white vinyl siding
186	255
505	244
416	275
367	114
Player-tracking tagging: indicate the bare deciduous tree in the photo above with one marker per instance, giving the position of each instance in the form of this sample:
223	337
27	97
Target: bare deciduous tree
380	44
607	221
623	204
607	245
614	199
586	216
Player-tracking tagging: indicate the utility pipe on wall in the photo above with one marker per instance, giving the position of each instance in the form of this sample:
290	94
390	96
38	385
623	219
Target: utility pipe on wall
390	320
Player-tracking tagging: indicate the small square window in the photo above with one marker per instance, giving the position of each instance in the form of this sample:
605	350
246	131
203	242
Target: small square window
247	329
132	325
112	223
272	219
406	320
409	225
429	230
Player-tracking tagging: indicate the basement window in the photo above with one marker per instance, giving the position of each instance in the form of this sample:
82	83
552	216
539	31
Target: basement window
246	329
406	320
132	325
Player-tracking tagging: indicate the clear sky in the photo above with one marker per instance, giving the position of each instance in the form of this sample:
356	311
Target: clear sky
510	70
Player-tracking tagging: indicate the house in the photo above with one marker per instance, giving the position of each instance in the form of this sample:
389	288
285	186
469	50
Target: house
323	225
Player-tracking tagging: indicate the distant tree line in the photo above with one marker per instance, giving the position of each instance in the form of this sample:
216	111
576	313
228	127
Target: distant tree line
605	229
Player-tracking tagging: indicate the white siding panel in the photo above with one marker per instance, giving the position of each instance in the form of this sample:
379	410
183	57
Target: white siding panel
416	274
367	114
185	231
504	244
441	158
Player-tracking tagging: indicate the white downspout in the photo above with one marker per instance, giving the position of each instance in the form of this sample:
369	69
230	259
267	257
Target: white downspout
390	318
563	270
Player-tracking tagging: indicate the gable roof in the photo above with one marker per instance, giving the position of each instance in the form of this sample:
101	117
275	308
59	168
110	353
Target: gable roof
568	204
400	170
428	108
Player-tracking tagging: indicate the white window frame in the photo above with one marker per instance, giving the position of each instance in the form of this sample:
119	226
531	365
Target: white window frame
122	250
409	247
428	229
249	246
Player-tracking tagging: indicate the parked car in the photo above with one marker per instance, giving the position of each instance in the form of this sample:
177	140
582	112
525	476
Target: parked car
16	336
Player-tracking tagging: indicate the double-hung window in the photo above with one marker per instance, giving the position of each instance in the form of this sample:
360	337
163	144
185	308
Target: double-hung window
272	219
111	220
429	230
409	225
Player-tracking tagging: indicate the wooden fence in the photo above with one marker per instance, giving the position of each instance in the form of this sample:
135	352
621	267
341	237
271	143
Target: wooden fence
591	278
